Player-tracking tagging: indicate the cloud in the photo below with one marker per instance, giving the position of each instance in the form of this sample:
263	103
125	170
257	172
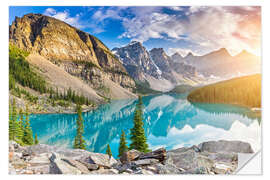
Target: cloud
229	27
235	28
112	13
207	28
154	25
100	17
176	8
64	16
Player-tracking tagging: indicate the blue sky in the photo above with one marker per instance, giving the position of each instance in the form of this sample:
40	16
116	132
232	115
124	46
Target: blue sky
176	29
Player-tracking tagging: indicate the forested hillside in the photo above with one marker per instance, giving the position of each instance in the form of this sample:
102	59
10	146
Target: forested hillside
27	84
244	91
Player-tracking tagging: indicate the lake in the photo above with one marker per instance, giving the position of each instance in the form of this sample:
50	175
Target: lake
170	121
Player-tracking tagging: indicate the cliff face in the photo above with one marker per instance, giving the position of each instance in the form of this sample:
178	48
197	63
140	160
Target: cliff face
77	52
137	61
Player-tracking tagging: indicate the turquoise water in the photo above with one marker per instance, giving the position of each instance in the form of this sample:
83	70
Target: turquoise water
169	120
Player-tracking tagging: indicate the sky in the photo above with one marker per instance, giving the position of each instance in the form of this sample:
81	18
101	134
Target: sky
196	29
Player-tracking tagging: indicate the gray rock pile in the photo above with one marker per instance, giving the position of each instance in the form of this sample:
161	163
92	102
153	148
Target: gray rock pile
207	158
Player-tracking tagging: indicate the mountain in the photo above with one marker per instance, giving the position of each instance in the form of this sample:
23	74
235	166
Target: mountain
177	72
153	69
137	61
177	57
78	53
222	65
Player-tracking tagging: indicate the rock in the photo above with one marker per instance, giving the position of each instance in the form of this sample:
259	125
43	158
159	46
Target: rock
197	170
41	169
90	167
126	167
19	164
226	146
129	171
151	168
61	166
101	160
184	160
27	171
166	169
10	155
190	162
130	156
40	164
221	168
144	172
11	169
77	164
205	162
221	157
40	159
15	147
105	171
143	162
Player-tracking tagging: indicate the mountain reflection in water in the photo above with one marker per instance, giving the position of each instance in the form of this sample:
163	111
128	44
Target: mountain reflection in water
169	120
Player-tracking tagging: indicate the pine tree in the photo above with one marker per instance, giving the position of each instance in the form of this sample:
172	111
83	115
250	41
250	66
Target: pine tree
138	139
108	151
28	134
79	142
13	121
20	128
36	139
123	145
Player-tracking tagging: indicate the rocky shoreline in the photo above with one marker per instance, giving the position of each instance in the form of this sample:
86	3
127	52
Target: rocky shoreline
213	157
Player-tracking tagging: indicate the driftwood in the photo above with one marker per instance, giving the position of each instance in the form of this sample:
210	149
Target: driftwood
159	154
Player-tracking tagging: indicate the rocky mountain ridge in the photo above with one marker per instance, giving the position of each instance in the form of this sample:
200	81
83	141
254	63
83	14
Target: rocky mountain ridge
222	64
137	61
78	53
155	66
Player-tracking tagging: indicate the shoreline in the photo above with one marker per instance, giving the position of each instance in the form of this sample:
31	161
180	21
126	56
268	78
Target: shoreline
211	157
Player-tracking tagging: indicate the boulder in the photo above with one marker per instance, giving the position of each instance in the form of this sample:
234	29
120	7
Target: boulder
62	167
165	169
221	157
40	159
226	146
130	156
15	147
40	169
105	171
77	164
126	167
144	172
143	162
11	170
185	160
221	168
101	160
89	166
190	162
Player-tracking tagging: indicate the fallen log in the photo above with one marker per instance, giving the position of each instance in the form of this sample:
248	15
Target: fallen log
159	154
